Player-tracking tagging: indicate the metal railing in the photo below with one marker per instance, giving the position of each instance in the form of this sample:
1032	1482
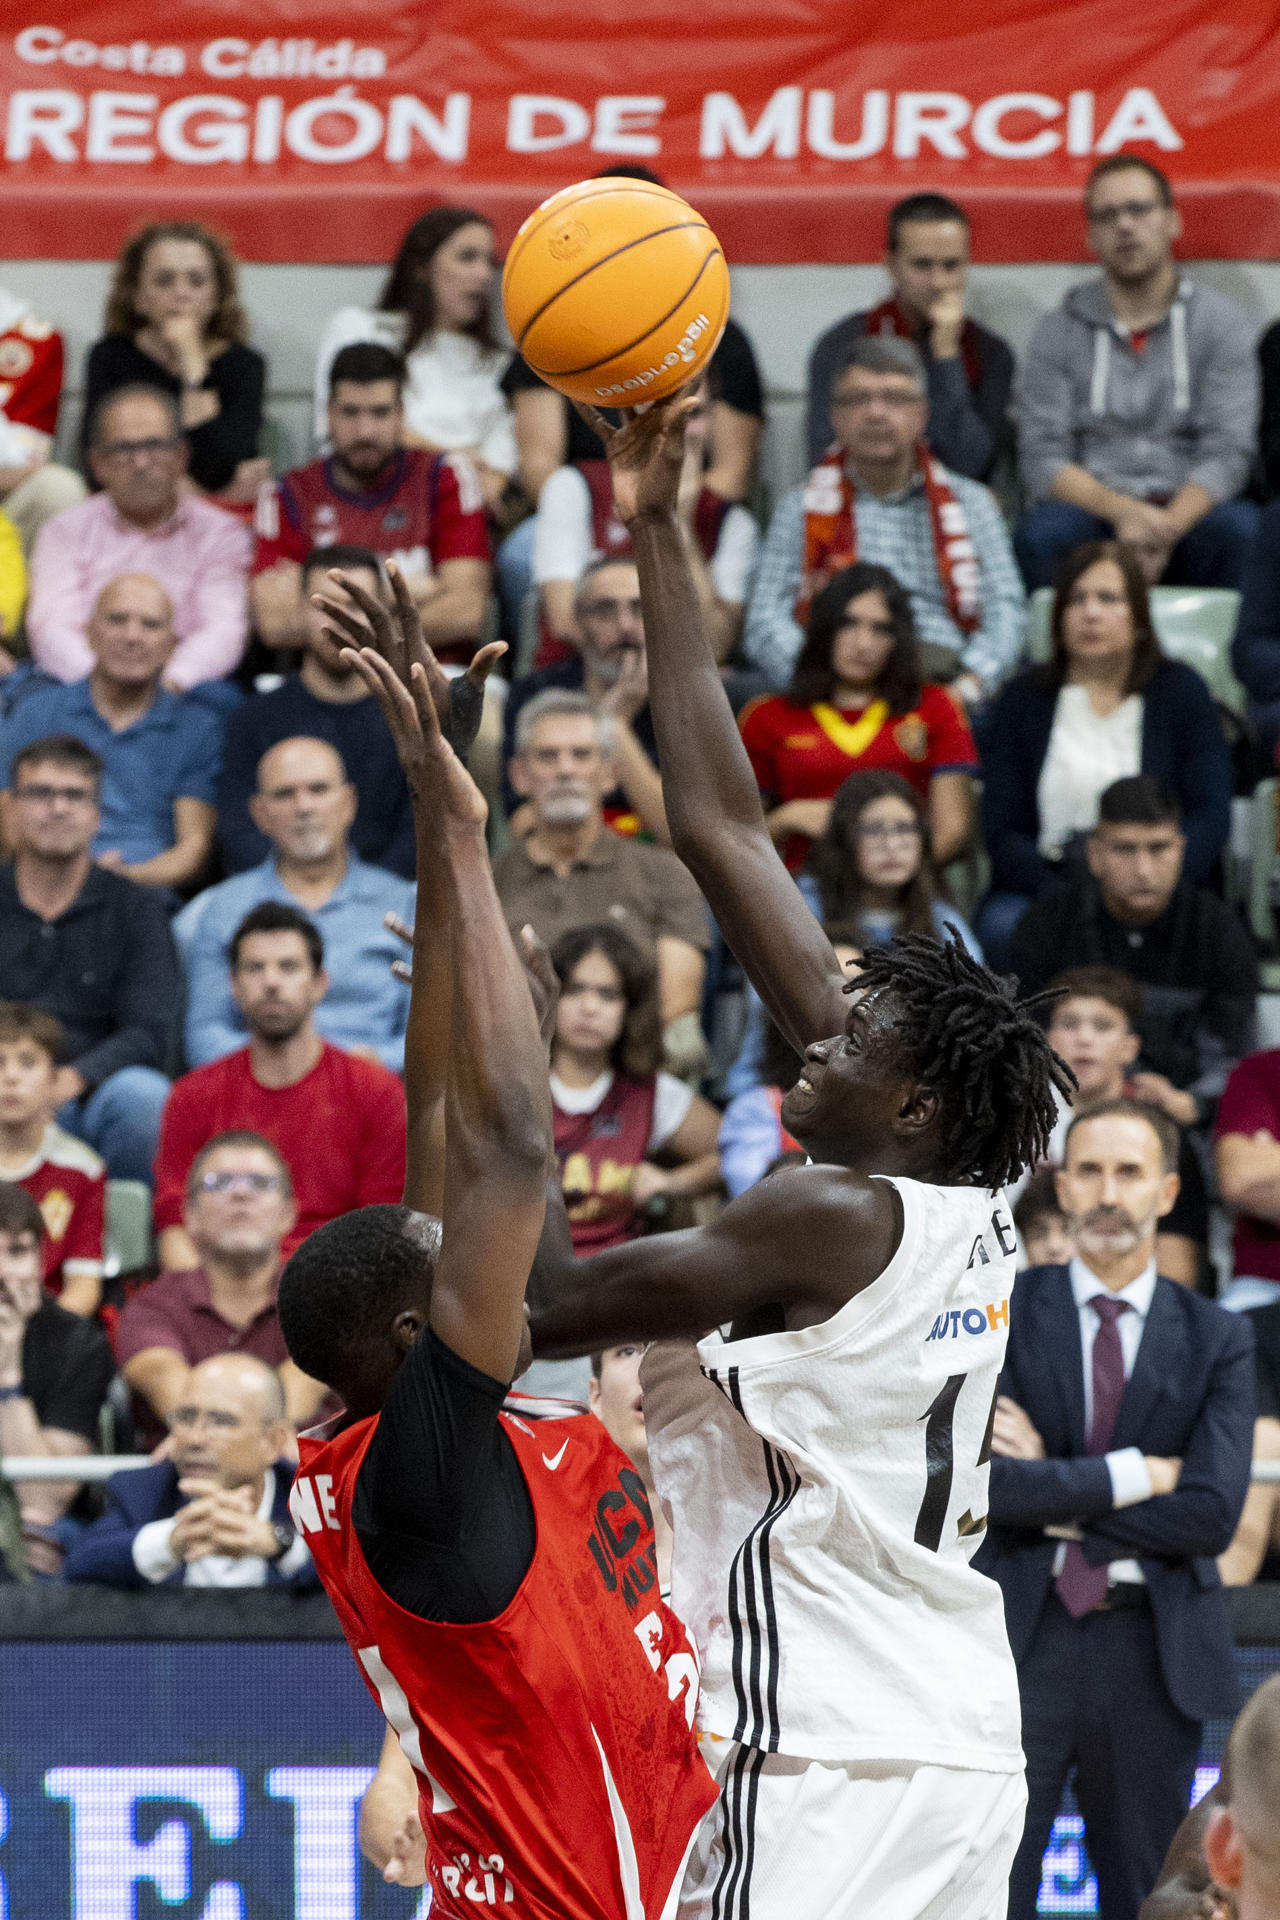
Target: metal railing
100	1466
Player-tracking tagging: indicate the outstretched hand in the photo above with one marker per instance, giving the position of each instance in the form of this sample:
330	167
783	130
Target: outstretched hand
357	619
389	662
646	455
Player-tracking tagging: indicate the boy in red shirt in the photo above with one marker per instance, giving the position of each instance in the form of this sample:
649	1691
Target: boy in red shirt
65	1178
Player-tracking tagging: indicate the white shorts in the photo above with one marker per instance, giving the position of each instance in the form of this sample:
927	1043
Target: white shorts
813	1840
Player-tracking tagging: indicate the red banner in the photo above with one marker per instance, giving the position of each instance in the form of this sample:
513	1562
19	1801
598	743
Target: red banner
318	131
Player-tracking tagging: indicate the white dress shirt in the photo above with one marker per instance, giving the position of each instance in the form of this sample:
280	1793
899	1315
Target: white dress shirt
1130	1481
155	1559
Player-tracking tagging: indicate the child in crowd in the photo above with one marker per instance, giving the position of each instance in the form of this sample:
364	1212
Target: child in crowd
1041	1223
64	1177
1093	1026
616	1114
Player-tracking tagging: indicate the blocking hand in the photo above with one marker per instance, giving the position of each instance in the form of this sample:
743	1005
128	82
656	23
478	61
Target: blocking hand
363	621
384	645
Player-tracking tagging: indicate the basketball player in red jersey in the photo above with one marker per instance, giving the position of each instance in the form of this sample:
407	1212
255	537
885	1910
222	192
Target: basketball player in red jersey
496	1581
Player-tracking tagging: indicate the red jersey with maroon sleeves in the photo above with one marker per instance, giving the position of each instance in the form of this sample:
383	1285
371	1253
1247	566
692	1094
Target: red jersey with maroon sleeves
425	508
558	1771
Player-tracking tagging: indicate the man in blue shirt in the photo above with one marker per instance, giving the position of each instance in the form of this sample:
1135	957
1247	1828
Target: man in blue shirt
160	751
324	701
304	806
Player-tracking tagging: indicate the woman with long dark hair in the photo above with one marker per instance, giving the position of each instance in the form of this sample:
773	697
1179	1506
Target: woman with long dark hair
436	309
857	700
871	874
174	321
872	871
626	1133
1106	705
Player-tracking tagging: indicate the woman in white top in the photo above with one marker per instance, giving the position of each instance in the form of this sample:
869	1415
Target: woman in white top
1108	704
627	1135
436	309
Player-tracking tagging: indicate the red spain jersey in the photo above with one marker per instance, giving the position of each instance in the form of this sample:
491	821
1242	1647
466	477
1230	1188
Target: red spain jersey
68	1182
558	1773
806	753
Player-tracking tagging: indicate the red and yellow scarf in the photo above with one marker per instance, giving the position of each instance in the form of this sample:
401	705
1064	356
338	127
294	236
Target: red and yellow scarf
831	535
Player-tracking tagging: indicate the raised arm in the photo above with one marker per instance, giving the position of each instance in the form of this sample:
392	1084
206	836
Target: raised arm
498	1132
498	1129
356	618
713	807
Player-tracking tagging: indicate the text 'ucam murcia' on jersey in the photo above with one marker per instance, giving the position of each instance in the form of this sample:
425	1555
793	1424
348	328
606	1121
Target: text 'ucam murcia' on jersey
828	1488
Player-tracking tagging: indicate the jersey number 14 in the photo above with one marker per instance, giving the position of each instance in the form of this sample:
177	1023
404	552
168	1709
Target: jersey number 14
939	1466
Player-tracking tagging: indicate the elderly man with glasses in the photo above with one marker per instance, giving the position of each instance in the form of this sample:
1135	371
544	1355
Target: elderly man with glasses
141	522
215	1513
238	1211
1139	402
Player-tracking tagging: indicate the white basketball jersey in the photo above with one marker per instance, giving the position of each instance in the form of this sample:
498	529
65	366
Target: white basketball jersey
827	1489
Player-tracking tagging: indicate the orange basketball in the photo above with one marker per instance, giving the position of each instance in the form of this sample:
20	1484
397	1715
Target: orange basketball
616	291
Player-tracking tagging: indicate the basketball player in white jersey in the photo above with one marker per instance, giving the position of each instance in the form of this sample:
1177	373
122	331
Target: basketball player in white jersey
826	1466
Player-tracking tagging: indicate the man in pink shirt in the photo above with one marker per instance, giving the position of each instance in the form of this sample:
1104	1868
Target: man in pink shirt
141	523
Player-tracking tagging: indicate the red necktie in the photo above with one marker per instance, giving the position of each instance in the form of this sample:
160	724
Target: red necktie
1081	1587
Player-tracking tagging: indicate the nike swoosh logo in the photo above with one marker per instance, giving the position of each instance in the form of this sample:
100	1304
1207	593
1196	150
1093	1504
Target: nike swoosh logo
553	1460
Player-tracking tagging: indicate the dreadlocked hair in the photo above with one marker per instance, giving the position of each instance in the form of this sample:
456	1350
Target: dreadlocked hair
982	1050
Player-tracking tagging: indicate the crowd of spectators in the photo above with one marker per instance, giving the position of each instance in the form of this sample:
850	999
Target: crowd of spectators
208	841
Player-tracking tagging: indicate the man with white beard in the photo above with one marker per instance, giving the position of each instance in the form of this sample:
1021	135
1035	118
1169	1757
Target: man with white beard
570	870
1121	1445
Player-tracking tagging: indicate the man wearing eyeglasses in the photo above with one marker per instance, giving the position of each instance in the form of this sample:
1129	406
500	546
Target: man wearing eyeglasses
609	665
1139	402
92	948
141	522
239	1208
881	494
215	1513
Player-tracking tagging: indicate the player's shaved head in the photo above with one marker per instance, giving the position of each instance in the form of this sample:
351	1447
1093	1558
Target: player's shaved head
355	1297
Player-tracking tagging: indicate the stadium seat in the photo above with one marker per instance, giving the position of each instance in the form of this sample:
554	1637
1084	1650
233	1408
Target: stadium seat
275	443
127	1238
1194	625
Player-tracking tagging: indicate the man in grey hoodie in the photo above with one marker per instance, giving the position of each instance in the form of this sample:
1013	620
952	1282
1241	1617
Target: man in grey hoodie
1139	402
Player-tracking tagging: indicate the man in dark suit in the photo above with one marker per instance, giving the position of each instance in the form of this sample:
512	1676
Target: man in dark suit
1120	1460
217	1513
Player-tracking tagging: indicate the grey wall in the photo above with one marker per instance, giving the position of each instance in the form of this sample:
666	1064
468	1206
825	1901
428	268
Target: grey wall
784	309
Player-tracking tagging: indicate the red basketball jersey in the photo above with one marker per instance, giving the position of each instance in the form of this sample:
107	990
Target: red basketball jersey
558	1773
598	1152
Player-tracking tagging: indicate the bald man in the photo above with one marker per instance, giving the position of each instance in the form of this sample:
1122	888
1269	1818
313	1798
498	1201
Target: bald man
305	806
160	749
1242	1840
216	1513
